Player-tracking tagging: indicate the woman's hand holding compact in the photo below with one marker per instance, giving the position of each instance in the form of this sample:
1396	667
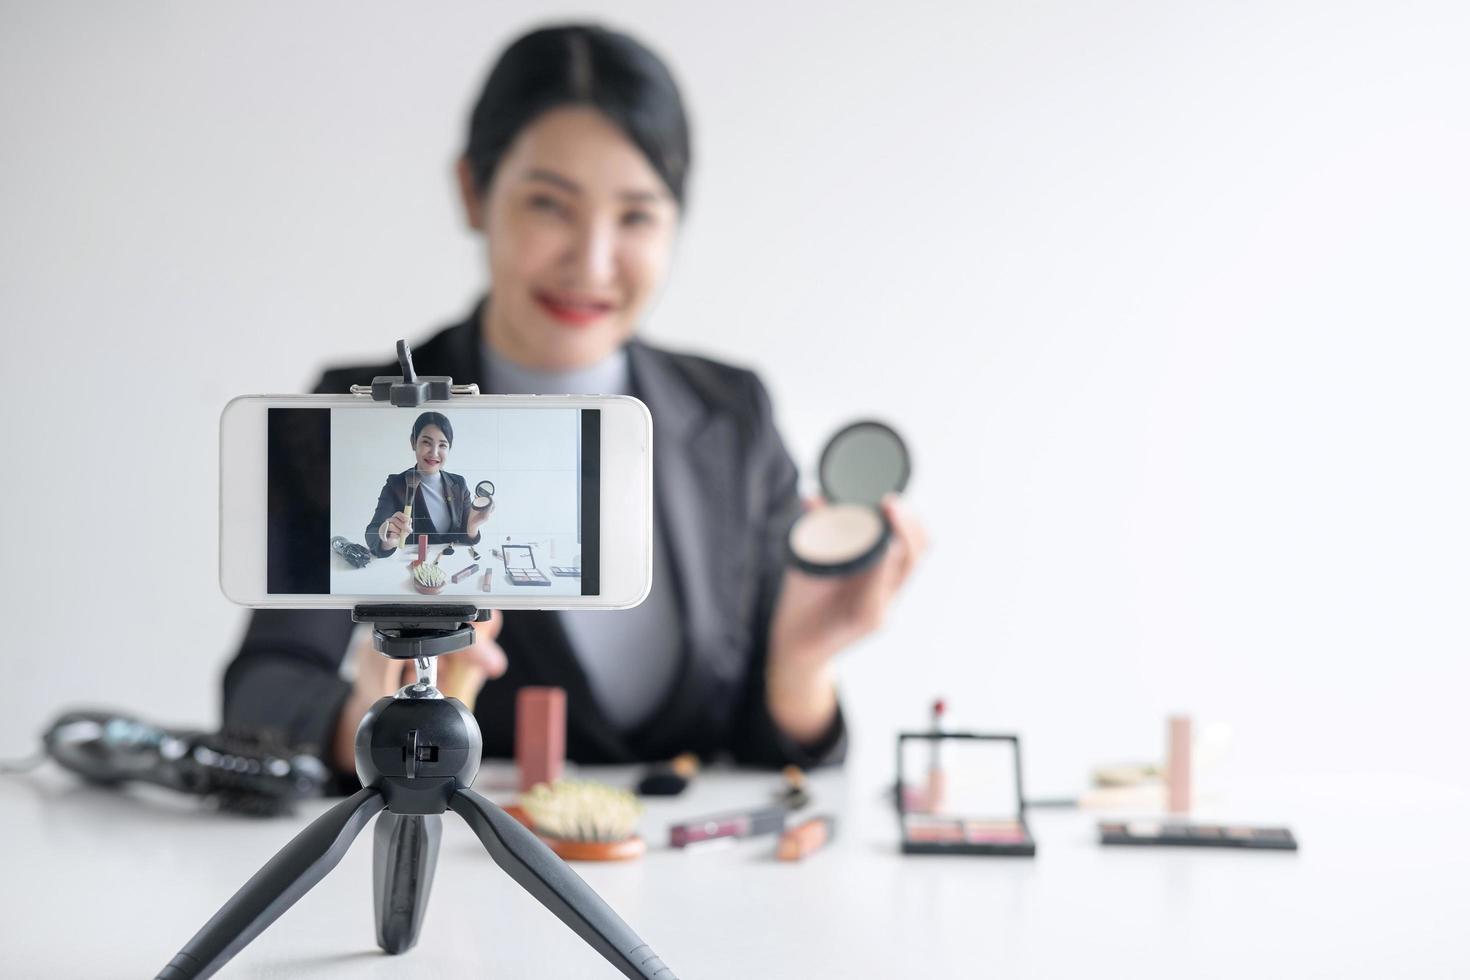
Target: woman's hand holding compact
477	518
817	616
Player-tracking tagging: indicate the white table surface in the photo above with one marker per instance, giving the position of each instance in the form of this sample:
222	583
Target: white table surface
99	884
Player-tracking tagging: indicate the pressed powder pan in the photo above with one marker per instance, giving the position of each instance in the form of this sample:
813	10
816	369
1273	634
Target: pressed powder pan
860	465
484	495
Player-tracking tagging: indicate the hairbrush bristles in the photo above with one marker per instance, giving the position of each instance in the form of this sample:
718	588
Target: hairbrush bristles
429	576
584	811
584	820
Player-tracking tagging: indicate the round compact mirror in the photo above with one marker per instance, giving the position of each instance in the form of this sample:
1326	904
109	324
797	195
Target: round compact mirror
860	465
484	495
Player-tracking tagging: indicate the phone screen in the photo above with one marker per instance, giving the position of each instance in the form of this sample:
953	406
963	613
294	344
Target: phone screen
490	497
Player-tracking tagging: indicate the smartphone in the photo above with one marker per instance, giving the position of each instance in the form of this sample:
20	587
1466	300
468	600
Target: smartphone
508	502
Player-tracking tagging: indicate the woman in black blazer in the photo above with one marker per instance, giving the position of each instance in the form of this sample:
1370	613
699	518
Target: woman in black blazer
574	172
441	500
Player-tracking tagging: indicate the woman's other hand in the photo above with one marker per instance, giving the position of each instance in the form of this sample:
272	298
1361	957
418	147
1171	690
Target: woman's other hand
379	677
818	616
477	518
394	530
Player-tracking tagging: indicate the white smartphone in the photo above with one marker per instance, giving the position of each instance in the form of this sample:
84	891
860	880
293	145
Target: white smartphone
508	502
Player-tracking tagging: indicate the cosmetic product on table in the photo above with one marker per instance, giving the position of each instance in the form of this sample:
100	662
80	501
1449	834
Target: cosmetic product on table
520	565
423	547
448	550
429	579
934	785
1178	770
860	465
541	735
669	778
806	838
488	583
566	571
1173	833
982	809
464	573
474	554
584	821
793	794
741	823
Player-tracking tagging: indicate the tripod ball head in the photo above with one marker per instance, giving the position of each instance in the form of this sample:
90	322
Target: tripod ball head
418	751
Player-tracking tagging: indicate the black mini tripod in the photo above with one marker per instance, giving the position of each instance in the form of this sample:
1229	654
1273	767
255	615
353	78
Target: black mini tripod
417	754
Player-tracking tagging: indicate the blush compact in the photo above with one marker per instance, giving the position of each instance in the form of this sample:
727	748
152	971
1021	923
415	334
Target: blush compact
860	465
484	495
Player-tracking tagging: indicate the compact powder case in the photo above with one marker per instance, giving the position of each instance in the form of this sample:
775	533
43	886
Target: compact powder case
860	465
484	495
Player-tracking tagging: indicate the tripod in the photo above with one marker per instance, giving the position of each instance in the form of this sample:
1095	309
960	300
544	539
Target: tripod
417	754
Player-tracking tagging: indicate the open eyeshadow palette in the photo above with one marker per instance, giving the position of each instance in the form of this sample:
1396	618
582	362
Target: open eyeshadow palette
1174	833
960	793
520	565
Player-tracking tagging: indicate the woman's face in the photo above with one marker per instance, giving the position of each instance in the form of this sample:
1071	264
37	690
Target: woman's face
431	449
579	229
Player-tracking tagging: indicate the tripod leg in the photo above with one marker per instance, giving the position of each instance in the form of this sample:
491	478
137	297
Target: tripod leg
535	868
405	849
275	888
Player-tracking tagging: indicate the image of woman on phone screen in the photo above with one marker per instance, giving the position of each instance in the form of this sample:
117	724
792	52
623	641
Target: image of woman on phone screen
440	499
574	172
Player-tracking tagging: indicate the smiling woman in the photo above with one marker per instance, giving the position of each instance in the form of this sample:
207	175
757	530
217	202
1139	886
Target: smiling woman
426	499
574	172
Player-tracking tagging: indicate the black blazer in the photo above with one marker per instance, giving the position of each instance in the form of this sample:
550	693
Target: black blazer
725	492
391	500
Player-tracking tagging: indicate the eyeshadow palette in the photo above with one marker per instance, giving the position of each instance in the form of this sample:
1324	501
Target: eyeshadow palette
1176	834
960	793
947	835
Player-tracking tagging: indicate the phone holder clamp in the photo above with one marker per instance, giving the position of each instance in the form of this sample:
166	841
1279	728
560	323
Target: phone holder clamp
408	390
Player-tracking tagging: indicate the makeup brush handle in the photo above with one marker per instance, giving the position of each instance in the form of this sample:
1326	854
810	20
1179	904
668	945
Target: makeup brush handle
459	680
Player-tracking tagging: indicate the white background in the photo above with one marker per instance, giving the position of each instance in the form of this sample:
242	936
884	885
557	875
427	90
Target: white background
1168	297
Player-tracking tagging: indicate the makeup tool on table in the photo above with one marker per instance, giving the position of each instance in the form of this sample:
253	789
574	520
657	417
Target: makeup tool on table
474	554
669	778
353	553
428	579
448	550
741	823
806	838
981	810
1183	834
860	465
584	821
520	565
239	773
541	735
793	795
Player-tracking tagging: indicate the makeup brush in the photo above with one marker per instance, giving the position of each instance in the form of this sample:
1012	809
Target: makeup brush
413	488
585	821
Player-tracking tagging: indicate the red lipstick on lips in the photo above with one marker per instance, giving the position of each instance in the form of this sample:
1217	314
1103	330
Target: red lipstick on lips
573	312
